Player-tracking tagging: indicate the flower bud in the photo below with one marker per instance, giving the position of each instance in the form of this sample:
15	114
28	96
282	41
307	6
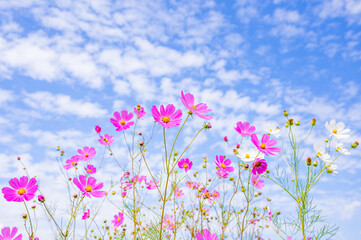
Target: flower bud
225	138
315	163
207	125
243	189
205	160
75	195
140	133
175	154
62	152
235	151
285	113
19	158
326	140
204	165
354	145
231	178
113	192
268	199
25	216
124	194
313	122
297	123
33	207
141	143
58	148
290	121
256	194
308	161
246	166
267	170
138	107
278	213
238	145
41	198
287	124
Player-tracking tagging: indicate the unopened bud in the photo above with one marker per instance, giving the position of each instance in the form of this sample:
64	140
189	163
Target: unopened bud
235	151
315	163
25	216
58	148
268	199
113	192
140	133
308	161
267	170
175	154
33	207
287	124
256	194
285	113
313	122
205	160
204	165
62	152
246	166
225	138
278	213
238	145
290	121
231	178
354	145
75	195
19	158
141	143
297	123
243	189
138	107
326	140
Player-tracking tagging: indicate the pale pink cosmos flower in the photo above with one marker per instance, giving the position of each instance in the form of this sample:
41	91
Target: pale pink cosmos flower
168	221
138	179
265	145
259	166
223	163
222	173
21	190
139	111
72	162
90	169
122	121
106	140
215	194
86	215
89	186
86	154
206	235
151	185
269	213
185	163
167	117
197	109
257	182
245	129
253	221
178	193
118	220
7	234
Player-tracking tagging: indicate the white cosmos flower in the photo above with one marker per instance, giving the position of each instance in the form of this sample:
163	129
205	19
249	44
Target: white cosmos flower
320	153
332	169
337	129
271	128
250	154
340	149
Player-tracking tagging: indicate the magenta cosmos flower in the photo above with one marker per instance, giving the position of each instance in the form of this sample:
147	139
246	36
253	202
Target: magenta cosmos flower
90	169
185	163
245	129
223	164
265	145
72	162
89	186
122	121
86	215
167	117
98	129
6	234
118	220
86	154
206	235
21	190
257	182
139	111
259	166
199	109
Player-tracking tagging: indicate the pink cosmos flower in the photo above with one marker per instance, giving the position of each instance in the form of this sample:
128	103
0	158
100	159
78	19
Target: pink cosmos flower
206	235
193	185
89	187
122	122
6	234
199	109
222	173
269	213
86	154
223	163
253	221
138	179
118	220
98	129
185	163
32	238
266	144
178	193
151	185
86	215
259	166
21	190
257	183
215	194
168	221
72	162
245	129
90	169
106	140
139	111
167	117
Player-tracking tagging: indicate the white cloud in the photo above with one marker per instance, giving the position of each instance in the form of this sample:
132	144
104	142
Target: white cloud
6	96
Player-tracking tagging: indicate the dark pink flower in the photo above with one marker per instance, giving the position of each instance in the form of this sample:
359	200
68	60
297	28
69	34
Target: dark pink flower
265	145
259	166
245	129
106	140
223	163
122	122
139	111
86	154
90	169
72	162
21	190
206	235
98	129
41	198
199	109
86	215
167	117
89	186
118	220
185	163
257	182
7	234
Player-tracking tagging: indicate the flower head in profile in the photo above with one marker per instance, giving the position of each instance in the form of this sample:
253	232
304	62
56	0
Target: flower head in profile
168	221
72	162
86	214
167	117
90	169
269	213
223	163
339	148
185	163
86	154
259	166
245	129
106	140
7	234
178	193
337	130
98	129
272	129
266	144
257	182
20	190
206	235
89	186
198	109
332	169
139	111
118	220
122	121
248	155
321	153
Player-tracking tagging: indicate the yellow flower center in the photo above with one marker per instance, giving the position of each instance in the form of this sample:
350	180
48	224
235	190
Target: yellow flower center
270	130
319	154
185	165
105	140
178	193
165	119
195	108
122	122
223	165
21	191
334	131
88	188
89	170
87	155
263	146
73	163
118	219
338	149
247	155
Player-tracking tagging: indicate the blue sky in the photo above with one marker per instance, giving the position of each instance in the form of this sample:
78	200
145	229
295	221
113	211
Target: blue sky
68	65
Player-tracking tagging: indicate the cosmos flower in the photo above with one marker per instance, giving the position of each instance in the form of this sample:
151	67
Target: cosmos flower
106	140
168	221
245	129
271	128
7	234
223	163
197	109
259	166
332	169
72	162
86	215
118	220
86	154
122	121
185	163
167	117
139	111
257	183
339	148
215	194
178	193
90	169
337	129
151	185
98	129
265	145
89	187
206	235
21	190
320	153
250	154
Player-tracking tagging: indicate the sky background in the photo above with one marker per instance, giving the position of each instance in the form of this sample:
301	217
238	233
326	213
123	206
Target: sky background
66	66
